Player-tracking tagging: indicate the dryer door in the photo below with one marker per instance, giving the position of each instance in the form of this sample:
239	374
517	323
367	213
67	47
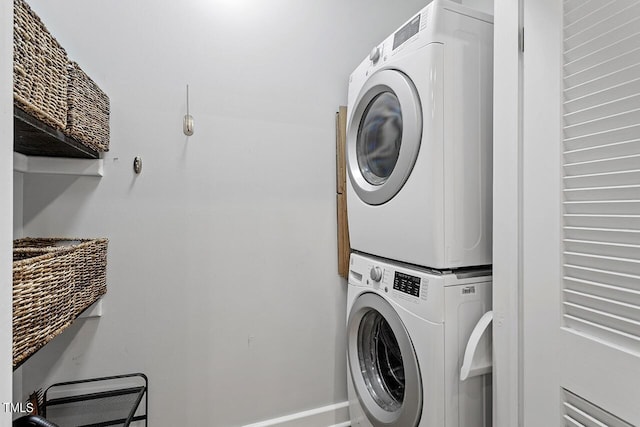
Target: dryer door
383	136
383	364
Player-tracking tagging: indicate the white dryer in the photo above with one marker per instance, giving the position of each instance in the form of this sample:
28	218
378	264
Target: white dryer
408	333
419	141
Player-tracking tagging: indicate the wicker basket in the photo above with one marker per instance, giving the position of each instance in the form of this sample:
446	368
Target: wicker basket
43	304
40	77
88	115
54	280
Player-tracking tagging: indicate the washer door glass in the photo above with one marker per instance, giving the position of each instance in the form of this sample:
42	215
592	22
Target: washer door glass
383	364
379	138
381	361
383	136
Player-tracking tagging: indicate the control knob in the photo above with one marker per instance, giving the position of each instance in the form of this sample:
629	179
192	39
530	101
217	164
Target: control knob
374	56
375	274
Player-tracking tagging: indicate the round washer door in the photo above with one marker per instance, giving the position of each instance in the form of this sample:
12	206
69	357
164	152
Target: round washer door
383	364
383	137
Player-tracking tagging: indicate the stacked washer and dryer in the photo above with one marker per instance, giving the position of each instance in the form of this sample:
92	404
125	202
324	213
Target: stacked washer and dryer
419	161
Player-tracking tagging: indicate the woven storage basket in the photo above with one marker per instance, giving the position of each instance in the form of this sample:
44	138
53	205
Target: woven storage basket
89	264
43	305
40	77
54	280
88	115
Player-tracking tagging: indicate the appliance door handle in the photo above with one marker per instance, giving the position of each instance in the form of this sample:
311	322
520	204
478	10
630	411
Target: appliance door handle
468	370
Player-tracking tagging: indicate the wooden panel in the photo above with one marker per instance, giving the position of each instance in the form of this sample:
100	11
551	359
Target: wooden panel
344	247
341	138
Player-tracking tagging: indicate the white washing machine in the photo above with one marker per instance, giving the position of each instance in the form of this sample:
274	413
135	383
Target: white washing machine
419	141
410	333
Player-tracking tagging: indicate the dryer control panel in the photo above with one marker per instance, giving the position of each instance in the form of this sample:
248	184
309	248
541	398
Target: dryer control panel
409	30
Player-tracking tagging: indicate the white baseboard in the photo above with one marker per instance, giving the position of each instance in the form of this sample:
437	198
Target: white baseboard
336	415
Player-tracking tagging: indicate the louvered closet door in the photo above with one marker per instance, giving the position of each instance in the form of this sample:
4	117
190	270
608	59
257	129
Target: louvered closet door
581	213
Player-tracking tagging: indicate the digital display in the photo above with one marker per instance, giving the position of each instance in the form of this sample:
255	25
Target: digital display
407	284
406	32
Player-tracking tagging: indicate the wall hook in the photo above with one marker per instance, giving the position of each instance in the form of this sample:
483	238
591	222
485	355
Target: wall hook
137	165
187	124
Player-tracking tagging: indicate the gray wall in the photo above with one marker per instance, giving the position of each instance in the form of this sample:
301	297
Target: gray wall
222	262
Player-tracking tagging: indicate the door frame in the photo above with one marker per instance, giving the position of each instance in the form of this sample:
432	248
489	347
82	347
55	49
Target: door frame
507	214
541	212
6	208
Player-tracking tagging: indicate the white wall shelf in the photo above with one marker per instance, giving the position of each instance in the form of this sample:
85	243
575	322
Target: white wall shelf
38	148
57	165
34	137
94	310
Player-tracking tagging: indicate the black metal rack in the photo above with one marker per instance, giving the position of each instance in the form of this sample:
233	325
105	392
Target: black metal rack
117	403
32	137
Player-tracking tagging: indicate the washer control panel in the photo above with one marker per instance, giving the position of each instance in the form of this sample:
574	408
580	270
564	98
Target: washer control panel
418	290
407	284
